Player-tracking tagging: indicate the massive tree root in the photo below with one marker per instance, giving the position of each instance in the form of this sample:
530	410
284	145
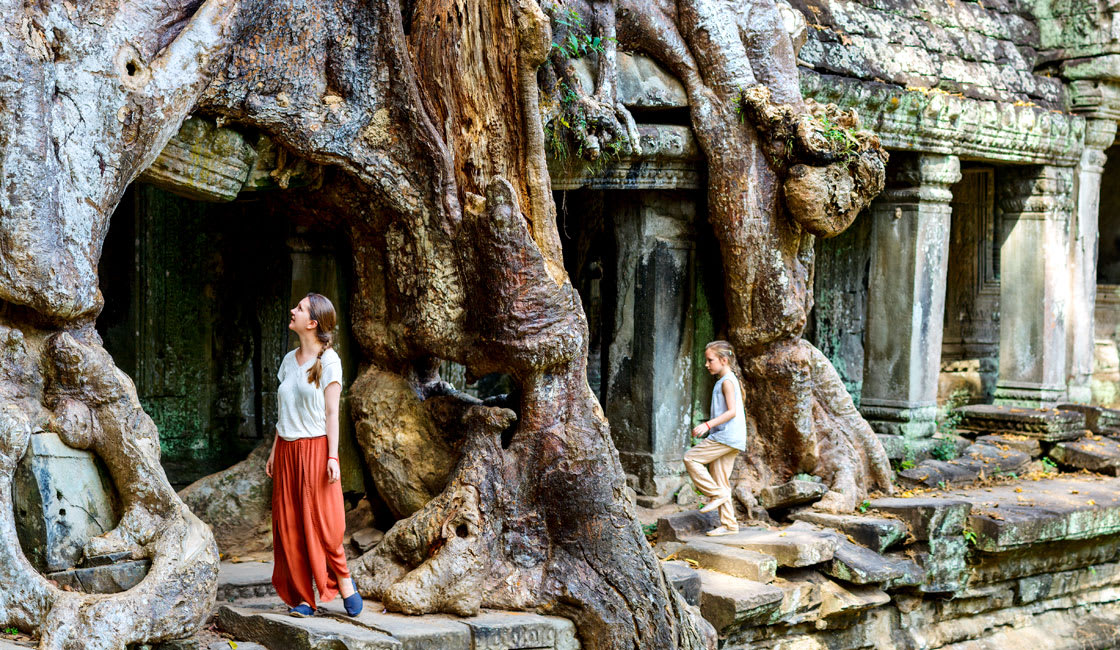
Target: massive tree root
89	95
774	180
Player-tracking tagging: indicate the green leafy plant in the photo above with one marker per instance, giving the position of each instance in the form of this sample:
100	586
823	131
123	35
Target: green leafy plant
649	530
579	42
970	537
946	449
907	464
863	507
1048	464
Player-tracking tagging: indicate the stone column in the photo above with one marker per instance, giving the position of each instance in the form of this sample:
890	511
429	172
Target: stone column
649	361
1034	284
906	295
1099	135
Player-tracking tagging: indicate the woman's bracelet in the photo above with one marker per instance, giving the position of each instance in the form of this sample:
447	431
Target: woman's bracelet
334	458
708	425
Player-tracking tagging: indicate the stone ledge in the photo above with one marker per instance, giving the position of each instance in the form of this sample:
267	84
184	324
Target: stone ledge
1017	515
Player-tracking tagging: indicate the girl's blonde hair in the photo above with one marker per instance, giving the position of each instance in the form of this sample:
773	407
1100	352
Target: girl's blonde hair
726	351
322	312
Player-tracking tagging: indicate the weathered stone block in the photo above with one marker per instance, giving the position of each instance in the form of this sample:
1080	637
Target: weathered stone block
1009	517
1098	419
978	461
282	631
791	494
684	579
1049	425
1093	452
801	597
108	579
944	561
849	599
677	526
726	600
366	538
1030	446
876	533
733	561
911	573
791	548
856	564
62	497
927	517
203	162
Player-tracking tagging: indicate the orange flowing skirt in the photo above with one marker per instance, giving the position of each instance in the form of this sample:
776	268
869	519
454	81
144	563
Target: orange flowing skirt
308	523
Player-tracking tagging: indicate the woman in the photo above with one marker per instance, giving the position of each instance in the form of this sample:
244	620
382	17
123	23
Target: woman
308	520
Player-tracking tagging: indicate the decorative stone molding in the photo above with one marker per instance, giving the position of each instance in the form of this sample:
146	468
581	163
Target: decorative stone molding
936	122
670	160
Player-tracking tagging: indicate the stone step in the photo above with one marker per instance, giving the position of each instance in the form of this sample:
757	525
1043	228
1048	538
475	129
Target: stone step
1093	452
790	494
911	573
278	630
731	560
876	533
926	517
679	525
239	580
801	597
684	579
1008	517
1049	425
790	548
856	564
727	601
374	629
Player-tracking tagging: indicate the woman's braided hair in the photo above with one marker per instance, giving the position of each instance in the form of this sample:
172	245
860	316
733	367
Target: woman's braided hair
321	311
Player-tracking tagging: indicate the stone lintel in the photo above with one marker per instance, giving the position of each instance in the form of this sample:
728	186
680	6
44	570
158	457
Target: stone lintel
670	159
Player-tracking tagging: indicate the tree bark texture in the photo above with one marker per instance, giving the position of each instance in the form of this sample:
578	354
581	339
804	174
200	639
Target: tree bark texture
428	116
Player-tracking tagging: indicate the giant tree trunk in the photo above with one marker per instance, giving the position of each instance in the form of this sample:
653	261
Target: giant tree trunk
774	181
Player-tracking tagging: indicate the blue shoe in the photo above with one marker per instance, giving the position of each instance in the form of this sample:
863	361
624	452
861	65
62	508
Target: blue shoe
301	610
353	602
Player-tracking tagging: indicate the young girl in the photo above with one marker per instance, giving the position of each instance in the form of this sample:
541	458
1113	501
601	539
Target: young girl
308	520
726	436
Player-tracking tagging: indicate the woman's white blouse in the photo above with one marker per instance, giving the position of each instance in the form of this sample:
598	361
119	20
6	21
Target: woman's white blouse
302	405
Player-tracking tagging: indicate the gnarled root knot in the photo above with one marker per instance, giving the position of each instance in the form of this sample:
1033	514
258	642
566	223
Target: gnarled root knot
96	408
831	169
444	558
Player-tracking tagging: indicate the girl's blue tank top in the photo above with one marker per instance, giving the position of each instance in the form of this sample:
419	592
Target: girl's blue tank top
732	433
